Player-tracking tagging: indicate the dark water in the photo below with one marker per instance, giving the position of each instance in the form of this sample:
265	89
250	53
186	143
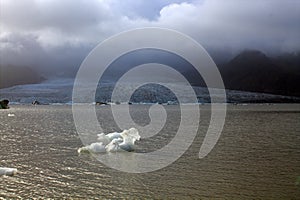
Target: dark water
257	157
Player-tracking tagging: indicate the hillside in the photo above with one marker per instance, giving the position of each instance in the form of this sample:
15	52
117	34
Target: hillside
18	75
254	71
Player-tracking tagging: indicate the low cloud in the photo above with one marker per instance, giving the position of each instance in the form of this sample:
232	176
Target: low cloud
59	34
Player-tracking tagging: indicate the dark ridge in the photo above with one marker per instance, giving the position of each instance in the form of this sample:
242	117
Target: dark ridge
253	71
11	75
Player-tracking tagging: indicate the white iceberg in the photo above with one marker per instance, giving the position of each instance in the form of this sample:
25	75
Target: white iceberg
113	142
97	147
8	171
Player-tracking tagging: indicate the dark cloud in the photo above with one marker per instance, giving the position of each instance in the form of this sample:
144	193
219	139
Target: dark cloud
59	34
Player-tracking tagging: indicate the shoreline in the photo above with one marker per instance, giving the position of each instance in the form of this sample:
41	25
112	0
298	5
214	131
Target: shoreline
292	107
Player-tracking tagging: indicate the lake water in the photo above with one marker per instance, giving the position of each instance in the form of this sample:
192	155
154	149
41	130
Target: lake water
256	157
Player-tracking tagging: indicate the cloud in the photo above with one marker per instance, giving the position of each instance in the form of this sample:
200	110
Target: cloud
236	24
142	8
61	33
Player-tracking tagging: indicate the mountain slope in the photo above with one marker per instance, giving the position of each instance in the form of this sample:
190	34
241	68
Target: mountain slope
254	71
18	75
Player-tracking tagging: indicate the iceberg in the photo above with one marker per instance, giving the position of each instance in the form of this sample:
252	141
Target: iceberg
8	171
113	142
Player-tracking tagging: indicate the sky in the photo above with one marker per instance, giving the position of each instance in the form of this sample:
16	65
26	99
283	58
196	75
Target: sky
54	34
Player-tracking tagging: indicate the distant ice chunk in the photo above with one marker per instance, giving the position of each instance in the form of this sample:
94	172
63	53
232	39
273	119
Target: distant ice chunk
8	171
113	142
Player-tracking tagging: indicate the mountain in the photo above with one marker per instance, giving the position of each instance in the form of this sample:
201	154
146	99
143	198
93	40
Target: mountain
60	91
250	71
11	75
253	71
